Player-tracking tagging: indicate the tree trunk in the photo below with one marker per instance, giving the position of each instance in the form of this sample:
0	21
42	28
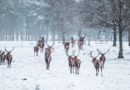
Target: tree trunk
120	25
114	35
120	45
129	37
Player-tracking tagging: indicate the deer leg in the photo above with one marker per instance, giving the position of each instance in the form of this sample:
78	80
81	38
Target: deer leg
75	70
78	71
71	69
42	49
101	72
8	65
0	62
37	54
97	71
46	63
103	65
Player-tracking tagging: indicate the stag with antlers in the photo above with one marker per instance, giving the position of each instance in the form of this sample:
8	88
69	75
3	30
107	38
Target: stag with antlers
97	64
102	57
9	57
74	62
66	46
77	63
40	44
36	50
48	52
71	62
2	57
81	41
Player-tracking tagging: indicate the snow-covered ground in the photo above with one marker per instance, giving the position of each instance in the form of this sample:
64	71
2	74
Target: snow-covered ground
26	66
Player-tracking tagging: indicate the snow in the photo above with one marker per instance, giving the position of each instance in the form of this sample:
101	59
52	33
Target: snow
26	66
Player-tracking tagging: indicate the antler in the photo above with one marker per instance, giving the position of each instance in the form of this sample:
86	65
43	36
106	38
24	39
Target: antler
51	45
99	51
9	50
106	51
78	53
84	35
90	53
12	49
71	54
5	49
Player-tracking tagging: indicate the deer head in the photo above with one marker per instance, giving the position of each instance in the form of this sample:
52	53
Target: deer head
50	46
70	56
93	58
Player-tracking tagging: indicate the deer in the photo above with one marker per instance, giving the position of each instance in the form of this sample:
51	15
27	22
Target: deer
9	57
41	44
81	41
77	63
66	46
72	41
103	57
70	62
74	62
48	52
2	57
36	50
97	64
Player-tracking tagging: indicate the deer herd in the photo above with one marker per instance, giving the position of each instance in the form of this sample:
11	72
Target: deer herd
74	62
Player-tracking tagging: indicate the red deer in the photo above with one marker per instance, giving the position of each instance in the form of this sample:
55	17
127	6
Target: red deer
2	57
77	63
97	64
72	41
36	50
71	62
74	63
9	57
40	44
66	46
48	52
102	57
81	41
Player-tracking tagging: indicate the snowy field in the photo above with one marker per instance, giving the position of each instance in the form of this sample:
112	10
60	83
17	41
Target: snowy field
26	66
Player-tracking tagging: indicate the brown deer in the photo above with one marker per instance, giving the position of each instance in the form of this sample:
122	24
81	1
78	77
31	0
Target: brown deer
2	57
74	62
36	50
71	62
77	63
9	57
81	41
66	46
72	41
102	57
1	60
97	64
40	44
48	52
